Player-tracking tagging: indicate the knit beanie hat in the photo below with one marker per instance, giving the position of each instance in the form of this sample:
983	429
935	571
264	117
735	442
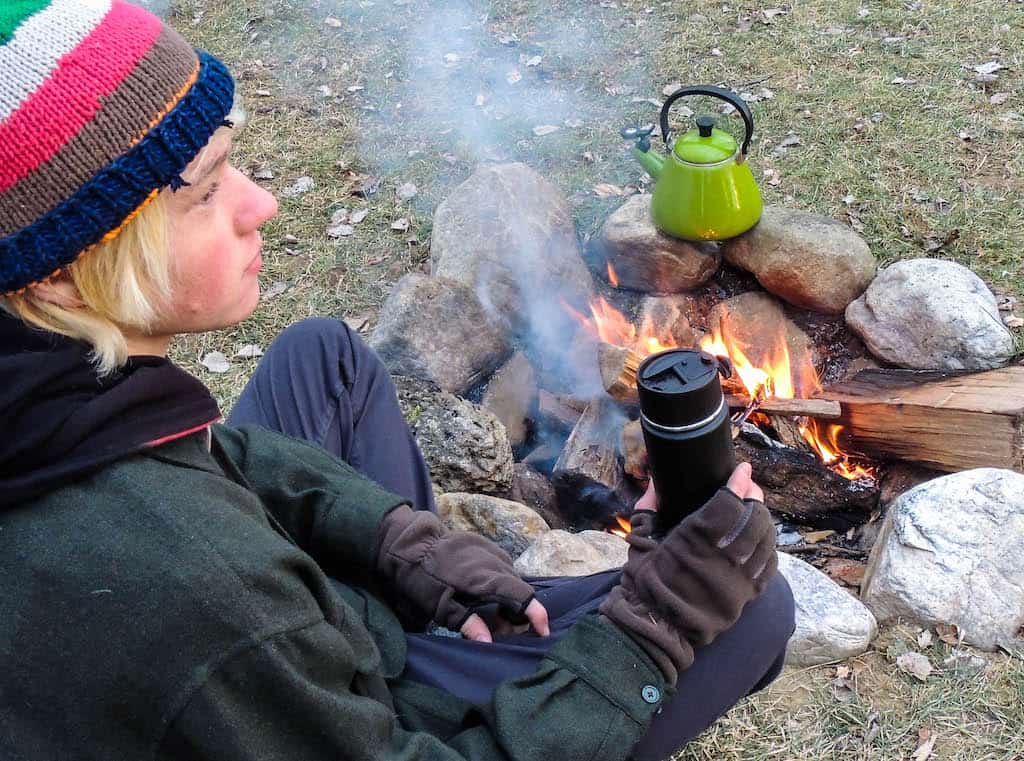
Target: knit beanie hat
101	106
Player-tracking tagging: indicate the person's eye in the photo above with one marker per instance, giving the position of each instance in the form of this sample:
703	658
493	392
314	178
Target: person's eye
208	195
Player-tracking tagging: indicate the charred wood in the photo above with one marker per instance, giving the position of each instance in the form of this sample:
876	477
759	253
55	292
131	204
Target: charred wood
797	485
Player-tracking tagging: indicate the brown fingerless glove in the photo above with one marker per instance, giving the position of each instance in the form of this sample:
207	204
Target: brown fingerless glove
685	591
440	575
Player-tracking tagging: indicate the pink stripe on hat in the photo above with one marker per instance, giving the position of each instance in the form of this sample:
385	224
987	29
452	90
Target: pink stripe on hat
72	95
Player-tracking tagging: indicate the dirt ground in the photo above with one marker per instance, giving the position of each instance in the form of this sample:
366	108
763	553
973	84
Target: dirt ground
902	119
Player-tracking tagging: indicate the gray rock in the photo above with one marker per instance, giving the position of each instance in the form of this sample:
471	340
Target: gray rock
667	318
560	553
755	321
435	329
645	259
464	445
951	551
930	314
831	624
510	525
809	260
512	395
508	234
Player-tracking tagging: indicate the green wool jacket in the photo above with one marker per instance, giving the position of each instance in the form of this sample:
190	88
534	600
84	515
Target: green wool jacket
177	605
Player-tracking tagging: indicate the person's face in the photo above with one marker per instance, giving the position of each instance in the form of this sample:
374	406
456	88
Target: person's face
215	243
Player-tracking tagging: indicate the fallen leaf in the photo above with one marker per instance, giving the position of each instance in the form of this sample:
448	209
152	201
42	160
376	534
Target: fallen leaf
451	58
355	88
573	123
999	98
480	100
249	351
813	537
545	129
289	238
215	362
849	572
904	81
924	639
768	14
406	191
531	60
400	224
604	190
340	231
843	691
357	216
263	174
669	89
369	187
988	68
924	750
276	289
863	12
339	216
716	52
300	186
849	198
508	39
513	76
1013	321
374	261
915	664
263	93
589	156
332	22
842	672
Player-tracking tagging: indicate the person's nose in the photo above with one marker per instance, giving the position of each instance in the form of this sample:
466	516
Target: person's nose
258	206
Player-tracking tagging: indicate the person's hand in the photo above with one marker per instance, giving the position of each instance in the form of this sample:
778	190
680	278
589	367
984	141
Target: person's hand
740	483
477	629
682	593
444	576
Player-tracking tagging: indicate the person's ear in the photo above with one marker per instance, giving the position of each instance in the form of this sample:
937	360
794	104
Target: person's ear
60	291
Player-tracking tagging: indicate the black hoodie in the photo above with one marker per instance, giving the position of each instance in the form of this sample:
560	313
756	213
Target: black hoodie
60	421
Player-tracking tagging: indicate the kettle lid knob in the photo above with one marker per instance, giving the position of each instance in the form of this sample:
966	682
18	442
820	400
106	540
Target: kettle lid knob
705	124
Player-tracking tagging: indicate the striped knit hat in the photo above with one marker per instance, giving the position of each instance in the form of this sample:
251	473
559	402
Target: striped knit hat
101	106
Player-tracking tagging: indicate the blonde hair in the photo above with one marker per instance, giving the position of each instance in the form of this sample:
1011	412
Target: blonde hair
121	283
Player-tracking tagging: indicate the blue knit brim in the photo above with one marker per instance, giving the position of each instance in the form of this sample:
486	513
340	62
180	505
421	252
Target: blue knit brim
102	204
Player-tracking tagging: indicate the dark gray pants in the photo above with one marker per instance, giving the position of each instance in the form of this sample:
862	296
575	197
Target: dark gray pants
320	382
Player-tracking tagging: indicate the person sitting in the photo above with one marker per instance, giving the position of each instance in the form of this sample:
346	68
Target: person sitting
276	586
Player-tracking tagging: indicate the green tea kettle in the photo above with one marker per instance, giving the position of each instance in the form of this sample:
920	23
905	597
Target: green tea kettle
705	189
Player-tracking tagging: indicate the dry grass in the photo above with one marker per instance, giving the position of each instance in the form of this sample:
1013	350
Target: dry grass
932	168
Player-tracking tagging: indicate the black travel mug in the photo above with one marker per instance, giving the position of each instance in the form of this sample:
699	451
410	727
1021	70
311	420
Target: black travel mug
686	428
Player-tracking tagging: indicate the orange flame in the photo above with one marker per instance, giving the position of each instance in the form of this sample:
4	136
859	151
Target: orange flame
765	370
612	277
824	437
623	529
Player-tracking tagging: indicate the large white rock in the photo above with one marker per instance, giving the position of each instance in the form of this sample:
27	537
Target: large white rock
952	551
561	553
930	314
831	624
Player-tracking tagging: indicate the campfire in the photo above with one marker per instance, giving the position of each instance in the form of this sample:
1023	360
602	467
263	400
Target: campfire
762	382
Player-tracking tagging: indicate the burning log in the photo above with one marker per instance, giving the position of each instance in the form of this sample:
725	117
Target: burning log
796	484
588	472
822	409
559	410
949	423
618	368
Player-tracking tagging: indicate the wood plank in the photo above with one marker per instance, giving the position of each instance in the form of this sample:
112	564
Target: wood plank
950	423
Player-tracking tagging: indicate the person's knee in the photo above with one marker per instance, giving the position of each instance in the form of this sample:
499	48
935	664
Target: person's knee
777	612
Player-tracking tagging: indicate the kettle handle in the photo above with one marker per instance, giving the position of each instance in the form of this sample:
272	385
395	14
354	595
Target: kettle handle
715	92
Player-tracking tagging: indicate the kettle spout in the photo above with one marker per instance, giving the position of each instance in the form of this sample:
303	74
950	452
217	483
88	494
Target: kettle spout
651	161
